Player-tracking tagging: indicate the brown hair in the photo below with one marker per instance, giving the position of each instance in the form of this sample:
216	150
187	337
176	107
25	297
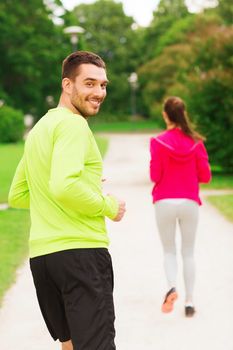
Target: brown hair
176	112
72	62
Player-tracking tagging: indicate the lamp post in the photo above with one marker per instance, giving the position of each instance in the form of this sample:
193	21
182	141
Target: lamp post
73	31
133	81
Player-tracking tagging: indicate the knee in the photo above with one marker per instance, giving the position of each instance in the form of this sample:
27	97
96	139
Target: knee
187	252
170	250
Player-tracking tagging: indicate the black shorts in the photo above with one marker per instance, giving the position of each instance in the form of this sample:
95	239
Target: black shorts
74	289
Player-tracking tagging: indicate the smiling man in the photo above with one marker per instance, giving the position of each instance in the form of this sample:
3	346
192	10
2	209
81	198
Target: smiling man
59	179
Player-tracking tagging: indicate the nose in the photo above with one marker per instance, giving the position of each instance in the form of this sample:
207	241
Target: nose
99	91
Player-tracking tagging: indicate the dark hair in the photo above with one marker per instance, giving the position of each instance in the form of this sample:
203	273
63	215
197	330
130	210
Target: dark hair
176	112
72	62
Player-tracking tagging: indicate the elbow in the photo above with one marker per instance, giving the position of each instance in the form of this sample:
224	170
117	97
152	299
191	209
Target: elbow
17	203
57	191
205	175
154	177
208	179
205	179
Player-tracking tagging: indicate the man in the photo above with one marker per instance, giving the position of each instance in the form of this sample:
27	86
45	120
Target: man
59	179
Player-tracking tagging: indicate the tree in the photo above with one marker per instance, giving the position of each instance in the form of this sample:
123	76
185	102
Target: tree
108	32
225	9
165	16
199	69
31	52
11	124
162	74
210	95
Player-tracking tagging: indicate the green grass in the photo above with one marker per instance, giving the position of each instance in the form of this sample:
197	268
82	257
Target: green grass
224	204
127	126
14	228
10	155
220	182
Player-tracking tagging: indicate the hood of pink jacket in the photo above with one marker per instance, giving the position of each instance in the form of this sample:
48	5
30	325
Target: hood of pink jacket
178	145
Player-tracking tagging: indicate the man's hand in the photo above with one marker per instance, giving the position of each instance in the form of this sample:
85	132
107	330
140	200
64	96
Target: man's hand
121	209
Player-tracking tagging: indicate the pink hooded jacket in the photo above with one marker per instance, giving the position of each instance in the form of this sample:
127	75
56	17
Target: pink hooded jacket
178	164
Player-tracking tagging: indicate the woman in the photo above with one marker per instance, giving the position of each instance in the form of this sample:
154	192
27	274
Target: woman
179	162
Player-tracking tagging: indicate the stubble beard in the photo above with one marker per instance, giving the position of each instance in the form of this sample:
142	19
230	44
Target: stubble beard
85	112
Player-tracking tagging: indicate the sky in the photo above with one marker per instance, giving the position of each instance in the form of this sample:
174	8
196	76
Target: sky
141	10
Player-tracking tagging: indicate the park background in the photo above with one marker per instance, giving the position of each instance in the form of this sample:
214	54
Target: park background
178	53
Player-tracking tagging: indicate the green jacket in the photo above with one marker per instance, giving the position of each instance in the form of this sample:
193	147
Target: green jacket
59	179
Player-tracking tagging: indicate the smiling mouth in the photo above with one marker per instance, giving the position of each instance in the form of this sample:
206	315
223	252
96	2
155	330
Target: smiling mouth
95	103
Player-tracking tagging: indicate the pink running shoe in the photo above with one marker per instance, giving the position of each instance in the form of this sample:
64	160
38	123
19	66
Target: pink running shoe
169	300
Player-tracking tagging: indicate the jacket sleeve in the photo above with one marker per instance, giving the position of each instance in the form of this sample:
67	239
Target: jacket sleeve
203	166
155	161
19	192
67	183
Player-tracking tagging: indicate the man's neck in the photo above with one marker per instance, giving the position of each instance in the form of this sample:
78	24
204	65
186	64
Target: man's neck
64	103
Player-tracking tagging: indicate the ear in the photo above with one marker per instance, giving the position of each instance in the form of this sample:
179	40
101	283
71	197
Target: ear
67	85
165	117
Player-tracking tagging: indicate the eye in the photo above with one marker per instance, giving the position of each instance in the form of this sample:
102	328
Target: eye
104	86
89	84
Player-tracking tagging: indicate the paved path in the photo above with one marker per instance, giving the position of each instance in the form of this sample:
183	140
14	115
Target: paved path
139	277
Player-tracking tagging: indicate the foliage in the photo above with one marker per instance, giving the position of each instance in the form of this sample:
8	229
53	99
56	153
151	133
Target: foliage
30	55
210	106
156	76
108	32
210	96
183	54
175	34
199	68
225	9
11	124
167	14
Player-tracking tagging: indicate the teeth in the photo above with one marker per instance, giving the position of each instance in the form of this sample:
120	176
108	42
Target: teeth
95	102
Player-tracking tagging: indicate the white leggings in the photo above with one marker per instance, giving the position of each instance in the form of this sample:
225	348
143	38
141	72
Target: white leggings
168	212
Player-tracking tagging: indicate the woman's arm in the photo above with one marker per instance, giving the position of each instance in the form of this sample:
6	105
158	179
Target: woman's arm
203	166
155	161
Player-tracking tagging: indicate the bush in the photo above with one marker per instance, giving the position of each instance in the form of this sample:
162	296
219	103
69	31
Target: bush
211	106
11	124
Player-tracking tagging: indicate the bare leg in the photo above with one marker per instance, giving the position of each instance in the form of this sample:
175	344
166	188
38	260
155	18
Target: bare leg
67	345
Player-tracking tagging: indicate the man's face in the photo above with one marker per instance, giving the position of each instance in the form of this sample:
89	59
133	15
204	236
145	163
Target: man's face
88	89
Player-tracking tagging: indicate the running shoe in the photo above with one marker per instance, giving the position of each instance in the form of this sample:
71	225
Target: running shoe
169	300
189	311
